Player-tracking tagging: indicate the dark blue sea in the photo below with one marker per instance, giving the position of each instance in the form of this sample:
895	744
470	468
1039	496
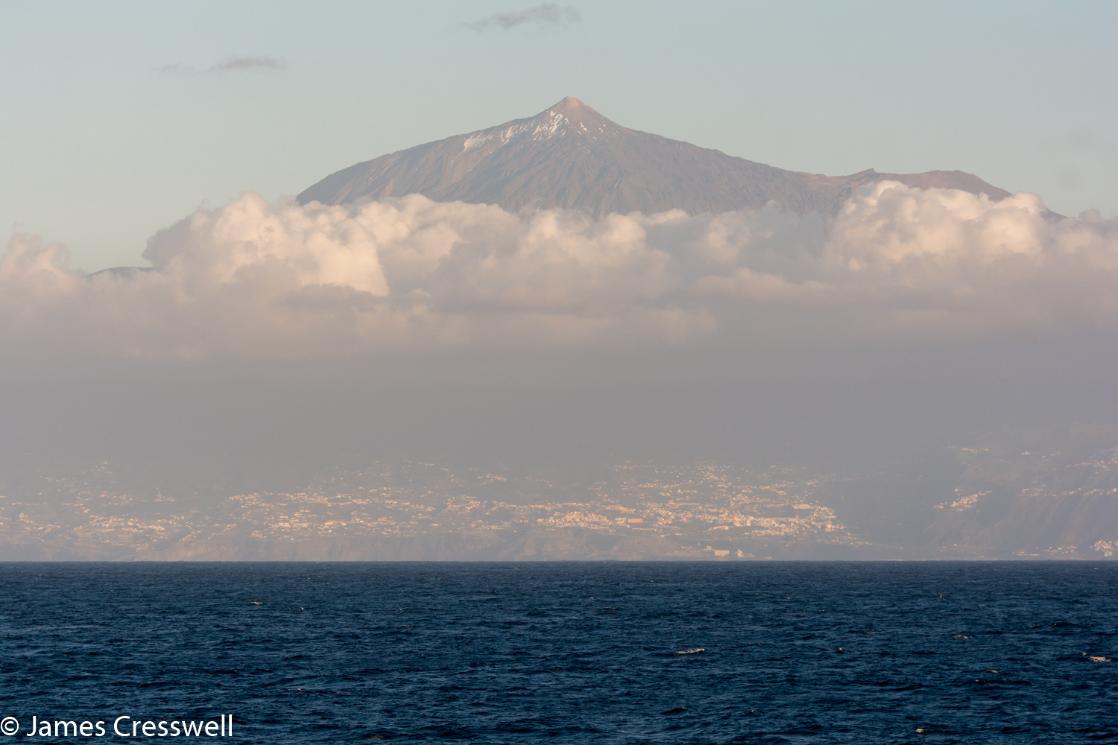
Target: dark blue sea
568	653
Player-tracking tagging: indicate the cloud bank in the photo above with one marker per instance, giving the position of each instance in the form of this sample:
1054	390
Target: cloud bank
280	335
257	280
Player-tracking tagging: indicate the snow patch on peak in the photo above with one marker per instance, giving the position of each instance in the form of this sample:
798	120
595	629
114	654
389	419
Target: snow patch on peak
558	121
554	124
573	117
475	140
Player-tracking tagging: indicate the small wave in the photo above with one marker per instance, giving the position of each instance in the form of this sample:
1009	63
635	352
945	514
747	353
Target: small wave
689	650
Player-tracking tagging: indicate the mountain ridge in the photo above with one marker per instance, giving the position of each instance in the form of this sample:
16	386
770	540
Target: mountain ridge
571	156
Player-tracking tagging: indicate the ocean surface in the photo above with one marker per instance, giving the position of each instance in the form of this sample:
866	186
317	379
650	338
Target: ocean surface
569	653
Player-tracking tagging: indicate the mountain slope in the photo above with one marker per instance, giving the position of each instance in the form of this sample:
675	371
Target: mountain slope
571	156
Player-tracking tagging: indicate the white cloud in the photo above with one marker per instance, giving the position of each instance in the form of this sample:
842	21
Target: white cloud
254	278
889	225
252	242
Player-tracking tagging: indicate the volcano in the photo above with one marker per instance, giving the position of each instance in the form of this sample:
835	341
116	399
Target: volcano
570	156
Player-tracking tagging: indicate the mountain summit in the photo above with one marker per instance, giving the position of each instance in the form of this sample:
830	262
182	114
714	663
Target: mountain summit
573	157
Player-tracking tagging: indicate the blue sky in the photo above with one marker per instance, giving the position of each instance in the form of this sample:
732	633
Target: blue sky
101	145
